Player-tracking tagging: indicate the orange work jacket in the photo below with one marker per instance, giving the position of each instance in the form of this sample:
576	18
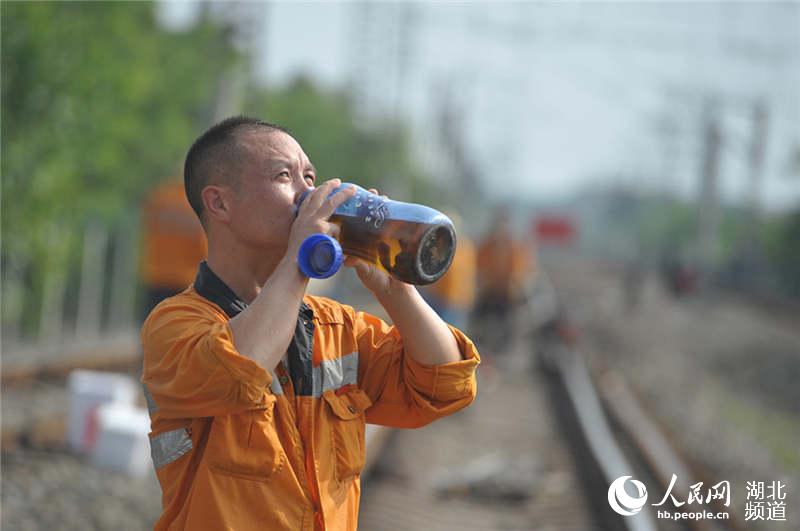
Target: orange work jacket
239	447
457	286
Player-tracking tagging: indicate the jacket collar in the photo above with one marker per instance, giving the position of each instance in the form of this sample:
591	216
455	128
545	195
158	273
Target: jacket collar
210	286
300	349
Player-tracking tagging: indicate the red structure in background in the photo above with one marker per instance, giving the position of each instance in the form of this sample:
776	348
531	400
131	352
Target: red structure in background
558	230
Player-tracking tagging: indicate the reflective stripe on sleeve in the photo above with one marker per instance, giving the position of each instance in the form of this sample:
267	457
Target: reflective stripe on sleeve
168	446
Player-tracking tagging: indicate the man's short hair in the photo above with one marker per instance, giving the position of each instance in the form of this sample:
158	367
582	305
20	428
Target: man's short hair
215	156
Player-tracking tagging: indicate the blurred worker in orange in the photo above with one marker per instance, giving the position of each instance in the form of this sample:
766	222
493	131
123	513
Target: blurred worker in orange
504	266
173	243
453	295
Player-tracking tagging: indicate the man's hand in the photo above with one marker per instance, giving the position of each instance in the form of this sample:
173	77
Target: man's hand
313	214
265	328
425	336
373	277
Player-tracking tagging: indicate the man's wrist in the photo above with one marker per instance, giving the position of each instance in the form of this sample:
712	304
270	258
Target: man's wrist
396	293
289	268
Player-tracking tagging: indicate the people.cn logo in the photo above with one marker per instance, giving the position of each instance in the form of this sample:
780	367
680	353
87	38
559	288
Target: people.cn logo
621	501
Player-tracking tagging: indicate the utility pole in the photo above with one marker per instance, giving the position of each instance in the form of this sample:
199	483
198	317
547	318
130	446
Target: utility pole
757	150
244	21
462	170
407	22
708	199
360	50
667	131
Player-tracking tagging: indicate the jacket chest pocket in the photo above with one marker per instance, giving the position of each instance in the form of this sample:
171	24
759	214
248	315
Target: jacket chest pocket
246	445
347	426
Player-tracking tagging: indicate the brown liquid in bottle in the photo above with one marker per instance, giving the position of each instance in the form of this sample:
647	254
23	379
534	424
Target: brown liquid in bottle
413	252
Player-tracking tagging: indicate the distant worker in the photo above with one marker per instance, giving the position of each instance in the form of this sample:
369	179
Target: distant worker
504	266
453	295
259	394
173	243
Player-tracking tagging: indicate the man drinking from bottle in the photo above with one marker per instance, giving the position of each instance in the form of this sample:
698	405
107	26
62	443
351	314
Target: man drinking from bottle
259	393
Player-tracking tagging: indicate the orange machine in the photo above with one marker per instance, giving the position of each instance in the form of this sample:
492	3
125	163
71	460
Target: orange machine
173	242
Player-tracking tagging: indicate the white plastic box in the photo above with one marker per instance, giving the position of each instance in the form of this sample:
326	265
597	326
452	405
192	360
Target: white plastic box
122	443
88	390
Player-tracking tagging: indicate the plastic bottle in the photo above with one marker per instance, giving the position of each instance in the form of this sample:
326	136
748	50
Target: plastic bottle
413	243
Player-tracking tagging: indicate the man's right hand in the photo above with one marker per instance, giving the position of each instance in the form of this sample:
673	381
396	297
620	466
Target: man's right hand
313	214
264	329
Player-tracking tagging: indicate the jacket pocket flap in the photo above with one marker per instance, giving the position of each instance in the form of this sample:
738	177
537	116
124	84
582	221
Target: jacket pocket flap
348	405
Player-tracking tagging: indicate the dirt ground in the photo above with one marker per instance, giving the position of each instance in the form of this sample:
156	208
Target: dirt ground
423	481
719	374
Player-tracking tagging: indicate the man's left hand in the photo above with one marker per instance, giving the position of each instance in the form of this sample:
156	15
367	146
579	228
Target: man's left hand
426	337
375	278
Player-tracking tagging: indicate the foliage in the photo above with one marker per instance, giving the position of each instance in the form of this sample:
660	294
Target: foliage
98	103
338	144
665	225
670	227
782	240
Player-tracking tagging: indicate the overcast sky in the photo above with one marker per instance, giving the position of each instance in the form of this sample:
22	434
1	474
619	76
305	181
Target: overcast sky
557	97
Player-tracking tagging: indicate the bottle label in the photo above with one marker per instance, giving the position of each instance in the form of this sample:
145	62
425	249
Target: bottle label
369	208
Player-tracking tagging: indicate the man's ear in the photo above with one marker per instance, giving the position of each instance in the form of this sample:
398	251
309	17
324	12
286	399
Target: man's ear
216	202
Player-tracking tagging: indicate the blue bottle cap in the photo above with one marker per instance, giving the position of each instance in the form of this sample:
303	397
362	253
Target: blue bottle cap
320	256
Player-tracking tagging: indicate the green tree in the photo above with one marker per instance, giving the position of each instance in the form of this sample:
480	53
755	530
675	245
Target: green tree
782	235
98	103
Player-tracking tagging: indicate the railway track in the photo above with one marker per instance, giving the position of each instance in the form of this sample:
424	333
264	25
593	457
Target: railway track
27	364
611	433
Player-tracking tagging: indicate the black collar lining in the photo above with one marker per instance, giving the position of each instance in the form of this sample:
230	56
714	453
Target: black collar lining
209	285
